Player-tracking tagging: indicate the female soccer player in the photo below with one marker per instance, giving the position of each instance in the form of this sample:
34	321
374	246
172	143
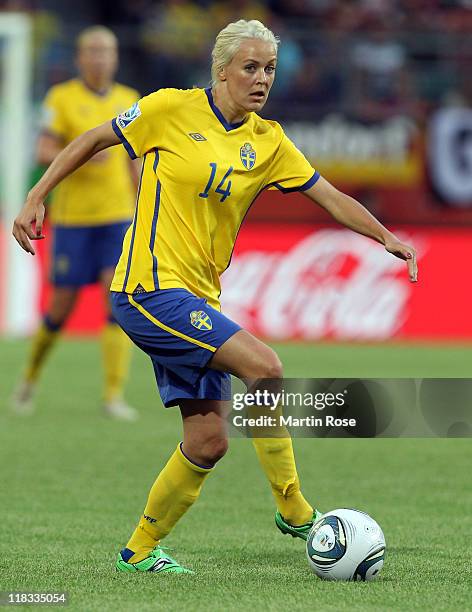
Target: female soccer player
206	156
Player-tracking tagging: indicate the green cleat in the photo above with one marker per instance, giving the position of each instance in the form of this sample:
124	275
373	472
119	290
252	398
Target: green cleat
158	561
301	531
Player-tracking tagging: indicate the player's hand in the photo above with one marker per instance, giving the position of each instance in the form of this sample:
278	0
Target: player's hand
29	224
405	252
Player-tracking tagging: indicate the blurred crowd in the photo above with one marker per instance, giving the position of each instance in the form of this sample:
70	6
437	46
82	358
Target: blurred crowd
369	59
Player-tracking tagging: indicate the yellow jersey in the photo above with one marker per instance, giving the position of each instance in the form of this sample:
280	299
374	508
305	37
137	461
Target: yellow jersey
101	191
200	175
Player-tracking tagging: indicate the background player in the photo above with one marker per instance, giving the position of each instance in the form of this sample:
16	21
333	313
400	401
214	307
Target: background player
90	212
195	190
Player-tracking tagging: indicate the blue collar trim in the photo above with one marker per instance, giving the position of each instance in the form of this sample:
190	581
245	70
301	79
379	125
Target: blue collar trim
219	115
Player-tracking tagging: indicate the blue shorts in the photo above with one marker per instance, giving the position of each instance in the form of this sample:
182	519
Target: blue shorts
180	332
80	254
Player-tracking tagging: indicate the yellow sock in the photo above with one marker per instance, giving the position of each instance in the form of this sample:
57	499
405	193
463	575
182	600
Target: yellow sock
116	353
278	462
176	488
43	341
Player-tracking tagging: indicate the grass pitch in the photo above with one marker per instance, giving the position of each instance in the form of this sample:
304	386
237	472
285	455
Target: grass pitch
73	484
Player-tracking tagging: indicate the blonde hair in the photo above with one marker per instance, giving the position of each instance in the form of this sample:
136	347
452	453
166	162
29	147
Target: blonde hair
90	31
230	38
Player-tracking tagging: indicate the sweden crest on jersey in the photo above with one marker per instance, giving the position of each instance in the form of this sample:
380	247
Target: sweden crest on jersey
248	156
200	319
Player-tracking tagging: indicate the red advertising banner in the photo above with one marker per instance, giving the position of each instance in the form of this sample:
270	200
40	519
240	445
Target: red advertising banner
295	282
309	283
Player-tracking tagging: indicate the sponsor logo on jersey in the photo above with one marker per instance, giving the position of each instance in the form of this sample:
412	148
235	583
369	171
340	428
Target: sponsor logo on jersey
248	156
196	136
200	320
128	116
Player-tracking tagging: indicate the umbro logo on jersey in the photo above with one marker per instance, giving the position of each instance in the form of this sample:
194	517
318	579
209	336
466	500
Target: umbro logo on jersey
196	136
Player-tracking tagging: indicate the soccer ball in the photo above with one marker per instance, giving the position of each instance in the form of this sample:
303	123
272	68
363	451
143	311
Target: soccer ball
346	544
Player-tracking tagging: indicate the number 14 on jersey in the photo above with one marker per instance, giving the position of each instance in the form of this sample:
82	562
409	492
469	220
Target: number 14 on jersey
224	191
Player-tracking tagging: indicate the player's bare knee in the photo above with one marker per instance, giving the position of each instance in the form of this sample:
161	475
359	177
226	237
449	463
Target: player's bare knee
272	367
214	450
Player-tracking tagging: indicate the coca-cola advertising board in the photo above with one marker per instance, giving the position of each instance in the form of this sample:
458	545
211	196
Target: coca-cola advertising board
299	282
311	283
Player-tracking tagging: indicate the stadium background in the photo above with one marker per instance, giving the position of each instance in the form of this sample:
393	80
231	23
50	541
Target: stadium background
378	95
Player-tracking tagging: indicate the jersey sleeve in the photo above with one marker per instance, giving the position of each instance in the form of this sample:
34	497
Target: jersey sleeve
53	119
290	170
141	127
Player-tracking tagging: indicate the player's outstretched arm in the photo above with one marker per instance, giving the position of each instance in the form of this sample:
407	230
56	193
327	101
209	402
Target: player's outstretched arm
353	215
69	159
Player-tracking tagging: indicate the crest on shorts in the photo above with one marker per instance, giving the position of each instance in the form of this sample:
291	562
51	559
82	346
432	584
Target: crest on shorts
248	156
200	319
62	265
